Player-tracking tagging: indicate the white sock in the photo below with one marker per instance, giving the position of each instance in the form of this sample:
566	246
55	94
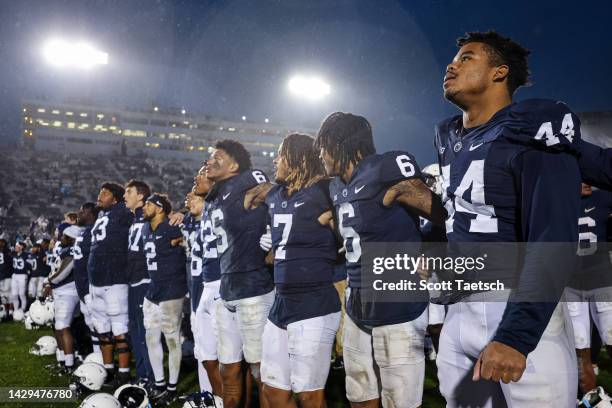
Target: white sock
69	360
205	384
96	344
124	369
60	357
156	353
173	341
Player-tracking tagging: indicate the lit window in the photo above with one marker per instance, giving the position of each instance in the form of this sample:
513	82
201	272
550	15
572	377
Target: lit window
210	149
271	154
83	114
231	129
265	153
68	113
100	116
55	112
25	110
41	110
57	123
201	148
71	125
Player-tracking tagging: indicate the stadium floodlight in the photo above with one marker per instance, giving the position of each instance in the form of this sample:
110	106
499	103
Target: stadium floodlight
183	111
311	88
155	108
267	120
77	54
244	118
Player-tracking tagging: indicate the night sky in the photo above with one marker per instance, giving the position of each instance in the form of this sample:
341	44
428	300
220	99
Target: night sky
384	59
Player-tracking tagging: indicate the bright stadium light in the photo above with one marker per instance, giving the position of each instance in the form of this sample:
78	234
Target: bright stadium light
311	88
61	53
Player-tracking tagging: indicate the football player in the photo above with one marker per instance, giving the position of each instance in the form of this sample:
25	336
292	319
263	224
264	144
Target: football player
40	270
108	279
61	284
163	305
86	217
377	198
19	280
508	176
204	256
590	289
190	231
246	282
188	226
6	273
136	193
305	316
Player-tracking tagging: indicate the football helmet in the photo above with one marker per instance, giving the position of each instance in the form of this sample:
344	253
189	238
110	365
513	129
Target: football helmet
18	315
45	346
29	324
100	400
132	396
202	400
596	398
88	377
41	313
94	358
433	179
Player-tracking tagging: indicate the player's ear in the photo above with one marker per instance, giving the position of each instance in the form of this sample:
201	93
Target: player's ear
501	73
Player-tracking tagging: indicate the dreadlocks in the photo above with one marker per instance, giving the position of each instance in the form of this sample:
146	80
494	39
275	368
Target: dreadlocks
305	166
345	137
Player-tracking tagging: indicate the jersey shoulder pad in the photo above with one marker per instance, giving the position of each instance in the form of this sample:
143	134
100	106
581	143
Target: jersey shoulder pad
395	166
544	123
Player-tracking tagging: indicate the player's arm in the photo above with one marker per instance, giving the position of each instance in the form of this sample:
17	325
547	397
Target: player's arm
415	195
550	196
62	272
595	164
257	195
327	219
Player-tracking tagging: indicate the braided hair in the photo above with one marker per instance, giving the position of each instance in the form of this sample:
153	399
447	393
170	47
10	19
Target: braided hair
305	166
345	137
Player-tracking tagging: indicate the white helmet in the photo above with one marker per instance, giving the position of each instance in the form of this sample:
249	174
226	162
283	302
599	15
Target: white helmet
433	178
18	315
45	346
91	376
29	324
3	313
40	313
202	400
596	398
100	400
132	396
94	358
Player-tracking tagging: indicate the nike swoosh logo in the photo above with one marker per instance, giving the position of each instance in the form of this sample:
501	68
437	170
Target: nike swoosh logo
358	189
226	195
296	205
216	298
157	237
588	210
474	147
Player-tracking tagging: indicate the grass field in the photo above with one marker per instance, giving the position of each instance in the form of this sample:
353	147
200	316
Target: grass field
18	368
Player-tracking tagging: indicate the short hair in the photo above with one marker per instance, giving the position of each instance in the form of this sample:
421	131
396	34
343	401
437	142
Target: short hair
22	244
303	160
92	208
237	152
141	188
161	200
72	216
116	189
343	136
502	51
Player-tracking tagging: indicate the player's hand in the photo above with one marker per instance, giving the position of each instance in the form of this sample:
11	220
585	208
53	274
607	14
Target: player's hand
499	362
47	291
423	273
176	241
175	219
265	242
256	196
